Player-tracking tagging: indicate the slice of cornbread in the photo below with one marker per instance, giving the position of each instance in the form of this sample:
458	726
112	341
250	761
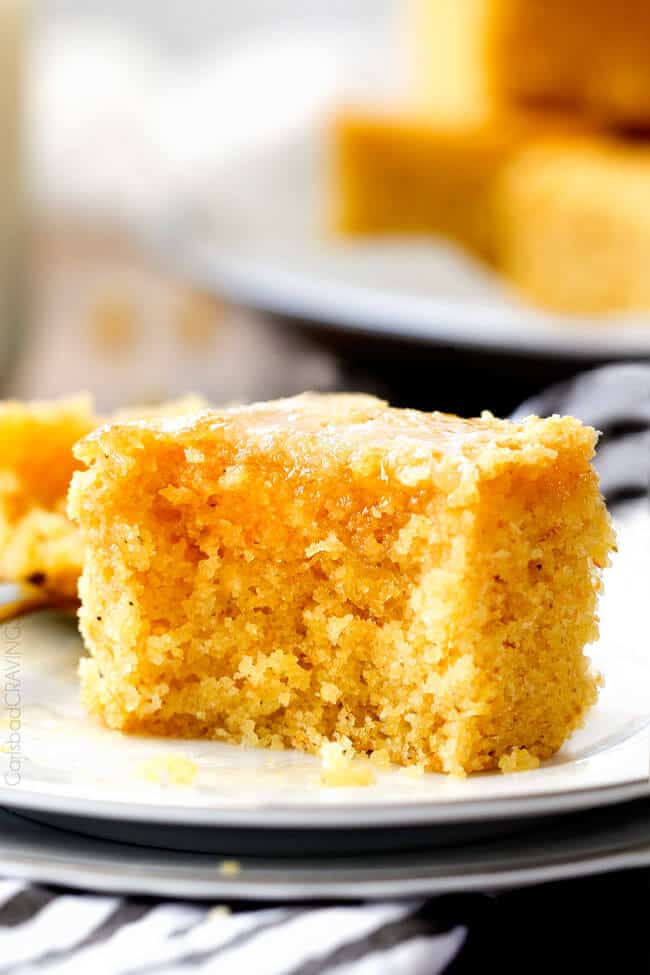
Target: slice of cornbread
398	173
38	543
470	58
326	568
395	173
574	225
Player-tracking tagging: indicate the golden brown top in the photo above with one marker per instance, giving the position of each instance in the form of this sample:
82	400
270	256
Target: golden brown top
362	432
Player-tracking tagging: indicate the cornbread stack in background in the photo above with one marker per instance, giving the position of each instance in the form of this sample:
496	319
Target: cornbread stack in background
514	141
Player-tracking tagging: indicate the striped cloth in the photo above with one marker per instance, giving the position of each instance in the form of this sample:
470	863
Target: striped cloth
42	930
58	932
615	400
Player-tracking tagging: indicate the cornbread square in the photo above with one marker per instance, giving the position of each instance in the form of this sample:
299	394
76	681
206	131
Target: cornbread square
473	57
38	543
325	568
397	173
574	225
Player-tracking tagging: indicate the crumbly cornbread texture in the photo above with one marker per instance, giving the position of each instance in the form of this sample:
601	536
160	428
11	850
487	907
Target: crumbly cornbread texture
38	543
470	58
326	568
574	224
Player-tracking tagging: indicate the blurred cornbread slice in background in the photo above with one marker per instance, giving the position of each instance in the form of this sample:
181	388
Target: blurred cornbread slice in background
414	586
470	57
564	214
38	543
395	173
574	225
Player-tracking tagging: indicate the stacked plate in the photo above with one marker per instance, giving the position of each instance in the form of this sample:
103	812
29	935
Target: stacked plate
81	808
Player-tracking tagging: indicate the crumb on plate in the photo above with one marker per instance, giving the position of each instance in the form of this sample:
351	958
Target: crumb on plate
169	769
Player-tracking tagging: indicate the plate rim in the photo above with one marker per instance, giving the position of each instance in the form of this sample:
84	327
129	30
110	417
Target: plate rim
276	816
67	867
320	300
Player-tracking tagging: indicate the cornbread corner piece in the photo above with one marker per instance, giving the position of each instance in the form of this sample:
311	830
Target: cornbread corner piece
38	544
574	224
469	58
326	568
398	173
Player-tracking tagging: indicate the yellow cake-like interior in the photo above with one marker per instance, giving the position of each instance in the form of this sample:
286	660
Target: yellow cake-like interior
415	586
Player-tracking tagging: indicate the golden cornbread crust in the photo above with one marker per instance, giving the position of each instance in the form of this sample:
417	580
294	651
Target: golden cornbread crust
414	586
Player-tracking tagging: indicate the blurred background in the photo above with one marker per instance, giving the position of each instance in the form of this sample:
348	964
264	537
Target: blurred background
167	192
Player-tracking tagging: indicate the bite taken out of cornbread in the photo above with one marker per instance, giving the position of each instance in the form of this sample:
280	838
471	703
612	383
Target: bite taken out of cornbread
39	545
416	587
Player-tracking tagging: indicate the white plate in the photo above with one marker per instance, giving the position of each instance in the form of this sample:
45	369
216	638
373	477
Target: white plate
254	221
68	764
423	291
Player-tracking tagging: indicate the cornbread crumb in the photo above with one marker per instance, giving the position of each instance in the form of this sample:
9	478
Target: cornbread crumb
340	770
218	913
448	618
169	769
518	760
380	758
229	868
412	771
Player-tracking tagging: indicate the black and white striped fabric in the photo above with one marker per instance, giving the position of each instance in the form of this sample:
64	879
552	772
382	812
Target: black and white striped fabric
59	932
42	930
615	400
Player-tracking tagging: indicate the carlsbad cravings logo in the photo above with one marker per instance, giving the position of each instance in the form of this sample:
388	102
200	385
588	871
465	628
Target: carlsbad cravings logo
10	638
